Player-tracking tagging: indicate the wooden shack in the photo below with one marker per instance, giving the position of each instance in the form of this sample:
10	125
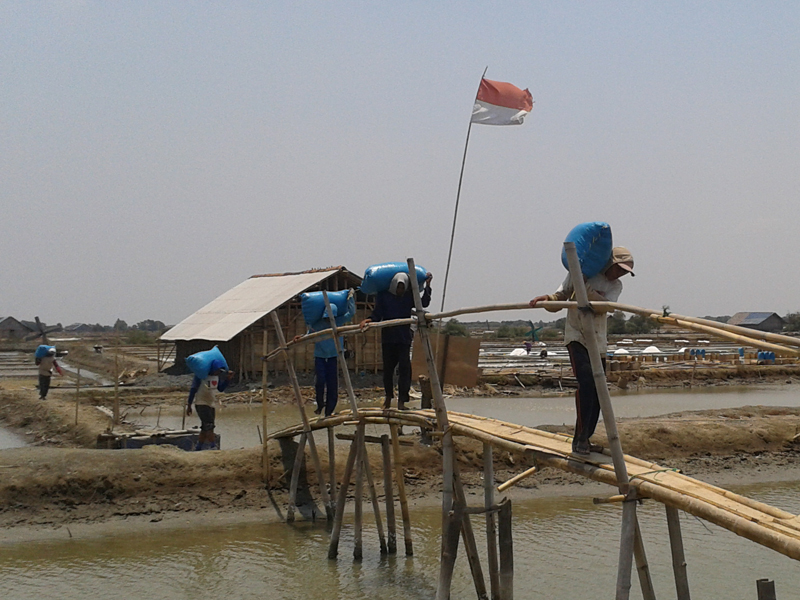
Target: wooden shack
238	322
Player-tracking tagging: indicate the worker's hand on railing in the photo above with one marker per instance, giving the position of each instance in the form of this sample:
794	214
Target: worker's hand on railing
538	299
363	325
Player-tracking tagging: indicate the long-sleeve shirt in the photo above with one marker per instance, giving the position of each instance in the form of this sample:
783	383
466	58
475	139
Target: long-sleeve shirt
389	307
326	348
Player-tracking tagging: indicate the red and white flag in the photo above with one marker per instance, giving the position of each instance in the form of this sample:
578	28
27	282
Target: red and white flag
501	103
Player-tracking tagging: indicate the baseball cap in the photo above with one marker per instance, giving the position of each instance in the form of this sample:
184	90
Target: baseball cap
621	256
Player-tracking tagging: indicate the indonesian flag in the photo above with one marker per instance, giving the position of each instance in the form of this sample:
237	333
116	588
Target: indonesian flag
501	103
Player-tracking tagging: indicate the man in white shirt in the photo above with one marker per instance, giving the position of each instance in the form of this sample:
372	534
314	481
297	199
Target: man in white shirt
603	287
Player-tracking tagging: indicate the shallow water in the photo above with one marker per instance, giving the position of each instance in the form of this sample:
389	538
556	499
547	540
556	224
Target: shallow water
564	548
11	440
237	425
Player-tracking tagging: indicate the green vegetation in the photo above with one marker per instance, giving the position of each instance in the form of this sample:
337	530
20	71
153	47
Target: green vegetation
454	327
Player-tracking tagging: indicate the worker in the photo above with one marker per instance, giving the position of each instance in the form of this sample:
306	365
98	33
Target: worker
606	286
397	303
46	365
204	395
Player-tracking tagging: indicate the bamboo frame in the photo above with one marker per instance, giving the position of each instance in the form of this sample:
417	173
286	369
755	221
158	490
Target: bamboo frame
388	493
401	490
491	521
341	500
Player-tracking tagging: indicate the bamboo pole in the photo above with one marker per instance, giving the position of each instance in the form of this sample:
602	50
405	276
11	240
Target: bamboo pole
358	553
116	382
265	446
376	507
298	464
491	523
400	478
620	469
516	479
341	500
470	547
450	537
77	394
299	400
676	549
388	492
332	463
340	359
642	567
506	551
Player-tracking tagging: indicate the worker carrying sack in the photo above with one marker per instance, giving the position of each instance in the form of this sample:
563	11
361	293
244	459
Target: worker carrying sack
42	351
200	362
378	277
313	305
593	244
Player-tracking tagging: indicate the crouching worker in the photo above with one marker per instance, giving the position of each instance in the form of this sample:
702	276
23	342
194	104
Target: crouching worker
203	394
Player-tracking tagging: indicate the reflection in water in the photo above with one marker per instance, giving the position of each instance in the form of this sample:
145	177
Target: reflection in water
564	548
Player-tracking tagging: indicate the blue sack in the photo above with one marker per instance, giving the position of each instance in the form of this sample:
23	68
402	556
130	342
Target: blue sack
42	351
313	305
200	362
378	277
594	245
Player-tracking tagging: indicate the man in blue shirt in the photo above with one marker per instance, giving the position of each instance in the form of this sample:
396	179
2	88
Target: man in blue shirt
397	303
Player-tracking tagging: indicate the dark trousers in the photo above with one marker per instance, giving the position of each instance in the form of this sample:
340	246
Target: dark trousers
327	378
44	385
397	356
587	405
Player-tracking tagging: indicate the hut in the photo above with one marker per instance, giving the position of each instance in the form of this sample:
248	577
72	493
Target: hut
238	322
761	321
12	329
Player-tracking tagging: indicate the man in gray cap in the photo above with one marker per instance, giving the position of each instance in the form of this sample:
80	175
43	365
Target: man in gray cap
605	286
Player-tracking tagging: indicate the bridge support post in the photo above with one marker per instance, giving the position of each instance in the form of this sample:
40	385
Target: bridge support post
642	567
609	421
491	523
298	464
323	490
401	490
341	500
359	493
678	557
506	551
388	492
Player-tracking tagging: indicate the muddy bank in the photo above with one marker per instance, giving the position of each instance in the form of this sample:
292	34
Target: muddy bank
46	487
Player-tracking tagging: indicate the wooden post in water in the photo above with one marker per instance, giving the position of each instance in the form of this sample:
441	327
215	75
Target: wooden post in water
332	463
609	421
676	548
326	499
298	464
399	476
642	567
491	527
373	492
77	394
506	551
470	546
448	463
358	553
388	492
341	500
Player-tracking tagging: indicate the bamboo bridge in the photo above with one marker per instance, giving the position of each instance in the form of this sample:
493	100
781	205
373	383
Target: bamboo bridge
635	479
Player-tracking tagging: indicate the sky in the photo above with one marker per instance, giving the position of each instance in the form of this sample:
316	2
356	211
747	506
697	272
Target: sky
155	154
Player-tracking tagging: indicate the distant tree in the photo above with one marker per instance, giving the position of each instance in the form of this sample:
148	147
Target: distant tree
120	325
792	322
505	331
550	334
150	325
639	324
453	327
97	328
616	323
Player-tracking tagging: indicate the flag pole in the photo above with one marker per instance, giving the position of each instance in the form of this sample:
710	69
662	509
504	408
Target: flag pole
455	212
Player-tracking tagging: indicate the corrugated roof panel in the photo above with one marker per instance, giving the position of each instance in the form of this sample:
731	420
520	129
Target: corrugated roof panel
232	312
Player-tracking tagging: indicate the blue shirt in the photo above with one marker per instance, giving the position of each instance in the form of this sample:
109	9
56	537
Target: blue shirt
326	348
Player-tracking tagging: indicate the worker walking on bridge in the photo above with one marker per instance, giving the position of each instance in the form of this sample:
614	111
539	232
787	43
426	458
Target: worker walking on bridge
605	286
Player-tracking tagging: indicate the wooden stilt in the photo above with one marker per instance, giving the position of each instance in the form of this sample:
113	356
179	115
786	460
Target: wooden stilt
376	507
642	567
491	526
298	463
506	551
450	537
341	500
332	463
265	448
678	557
77	394
609	421
470	547
388	492
401	490
359	493
326	499
116	383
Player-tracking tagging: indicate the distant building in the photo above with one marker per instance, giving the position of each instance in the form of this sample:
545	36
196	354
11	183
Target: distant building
12	329
761	321
238	320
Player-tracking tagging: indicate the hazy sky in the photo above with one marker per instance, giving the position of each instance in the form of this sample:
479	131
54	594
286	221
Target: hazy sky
155	154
